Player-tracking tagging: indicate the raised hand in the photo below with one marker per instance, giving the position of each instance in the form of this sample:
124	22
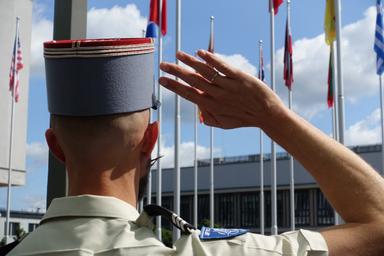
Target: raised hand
227	97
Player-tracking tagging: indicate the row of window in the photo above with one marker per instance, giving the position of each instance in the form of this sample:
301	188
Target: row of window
243	209
15	227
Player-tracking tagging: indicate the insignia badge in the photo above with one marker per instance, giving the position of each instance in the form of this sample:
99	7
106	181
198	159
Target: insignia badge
220	233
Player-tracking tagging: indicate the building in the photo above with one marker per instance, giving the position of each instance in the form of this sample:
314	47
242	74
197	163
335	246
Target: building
237	190
8	12
20	220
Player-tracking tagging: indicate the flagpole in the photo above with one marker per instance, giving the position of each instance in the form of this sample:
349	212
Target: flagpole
261	150
195	195
176	175
7	225
291	163
211	190
273	145
382	126
159	119
340	85
335	114
149	185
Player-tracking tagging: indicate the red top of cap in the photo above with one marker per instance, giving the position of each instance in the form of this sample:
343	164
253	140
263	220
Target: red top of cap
96	42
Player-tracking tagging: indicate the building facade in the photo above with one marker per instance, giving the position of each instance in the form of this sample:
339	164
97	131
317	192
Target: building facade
19	221
237	192
9	10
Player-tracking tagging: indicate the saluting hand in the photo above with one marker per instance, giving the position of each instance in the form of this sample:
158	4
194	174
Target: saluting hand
227	97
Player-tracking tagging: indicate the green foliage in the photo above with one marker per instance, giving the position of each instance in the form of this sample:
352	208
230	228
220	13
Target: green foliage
166	236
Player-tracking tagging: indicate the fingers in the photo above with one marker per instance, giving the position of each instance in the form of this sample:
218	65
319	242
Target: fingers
202	68
190	77
218	63
187	92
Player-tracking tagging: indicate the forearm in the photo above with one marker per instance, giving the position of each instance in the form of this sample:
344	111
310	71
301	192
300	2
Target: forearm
350	184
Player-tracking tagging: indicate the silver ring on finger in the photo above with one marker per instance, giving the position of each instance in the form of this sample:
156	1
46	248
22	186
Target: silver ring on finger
212	79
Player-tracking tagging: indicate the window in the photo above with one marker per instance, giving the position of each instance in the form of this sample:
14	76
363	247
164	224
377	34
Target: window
325	213
32	226
203	208
225	210
302	207
14	227
249	210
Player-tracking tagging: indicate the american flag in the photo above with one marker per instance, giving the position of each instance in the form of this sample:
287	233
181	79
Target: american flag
288	66
379	39
16	66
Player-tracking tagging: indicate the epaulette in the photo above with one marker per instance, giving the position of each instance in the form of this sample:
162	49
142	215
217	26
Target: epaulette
155	210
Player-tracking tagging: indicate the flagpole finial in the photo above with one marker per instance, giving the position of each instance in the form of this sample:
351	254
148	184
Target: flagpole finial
260	41
288	1
17	18
212	17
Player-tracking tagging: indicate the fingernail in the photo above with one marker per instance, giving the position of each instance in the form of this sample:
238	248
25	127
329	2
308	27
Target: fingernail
179	54
164	66
163	81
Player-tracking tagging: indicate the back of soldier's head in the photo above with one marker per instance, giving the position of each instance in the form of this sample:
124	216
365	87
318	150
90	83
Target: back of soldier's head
99	93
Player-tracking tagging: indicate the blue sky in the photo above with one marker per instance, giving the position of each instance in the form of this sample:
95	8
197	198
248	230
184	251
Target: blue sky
239	25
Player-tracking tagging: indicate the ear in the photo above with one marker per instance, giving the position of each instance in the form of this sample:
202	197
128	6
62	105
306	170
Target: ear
150	138
54	145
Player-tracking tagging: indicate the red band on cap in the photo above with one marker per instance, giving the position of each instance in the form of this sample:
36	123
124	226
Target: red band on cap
96	42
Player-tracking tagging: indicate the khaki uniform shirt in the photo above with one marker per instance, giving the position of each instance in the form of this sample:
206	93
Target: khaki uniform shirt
105	226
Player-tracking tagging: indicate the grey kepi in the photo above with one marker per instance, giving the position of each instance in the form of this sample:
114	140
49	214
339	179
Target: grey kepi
99	77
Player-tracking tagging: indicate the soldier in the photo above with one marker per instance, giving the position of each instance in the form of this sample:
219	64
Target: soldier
99	93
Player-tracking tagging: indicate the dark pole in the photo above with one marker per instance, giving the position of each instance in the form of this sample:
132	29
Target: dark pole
70	22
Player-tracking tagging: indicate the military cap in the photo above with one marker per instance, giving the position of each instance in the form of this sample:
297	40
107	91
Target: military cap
99	76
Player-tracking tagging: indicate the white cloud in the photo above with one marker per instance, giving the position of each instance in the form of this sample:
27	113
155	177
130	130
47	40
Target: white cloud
42	30
35	203
116	22
186	154
37	155
311	56
366	131
240	62
101	23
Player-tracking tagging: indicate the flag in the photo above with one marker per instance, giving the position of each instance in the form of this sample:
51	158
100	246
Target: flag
288	67
331	80
276	4
261	75
379	39
330	22
154	18
16	66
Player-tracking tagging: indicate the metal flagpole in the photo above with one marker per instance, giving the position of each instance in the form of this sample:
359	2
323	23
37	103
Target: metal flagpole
261	149
340	85
273	145
382	125
335	114
149	185
7	223
339	72
195	195
211	188
176	174
291	166
159	119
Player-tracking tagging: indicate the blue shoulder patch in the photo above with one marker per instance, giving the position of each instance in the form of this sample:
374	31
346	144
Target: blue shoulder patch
220	233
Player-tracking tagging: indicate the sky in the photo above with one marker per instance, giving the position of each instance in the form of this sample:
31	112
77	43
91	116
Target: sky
239	25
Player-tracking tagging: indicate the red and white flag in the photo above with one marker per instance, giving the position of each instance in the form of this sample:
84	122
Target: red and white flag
16	66
276	4
288	66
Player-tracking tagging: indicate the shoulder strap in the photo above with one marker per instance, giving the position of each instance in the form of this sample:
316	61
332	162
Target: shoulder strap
156	210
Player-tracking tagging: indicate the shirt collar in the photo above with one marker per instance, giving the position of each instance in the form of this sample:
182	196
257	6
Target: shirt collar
90	206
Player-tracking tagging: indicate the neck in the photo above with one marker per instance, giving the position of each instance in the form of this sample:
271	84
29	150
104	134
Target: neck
105	183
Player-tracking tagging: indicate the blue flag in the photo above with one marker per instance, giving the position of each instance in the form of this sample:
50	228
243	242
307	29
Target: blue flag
379	39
